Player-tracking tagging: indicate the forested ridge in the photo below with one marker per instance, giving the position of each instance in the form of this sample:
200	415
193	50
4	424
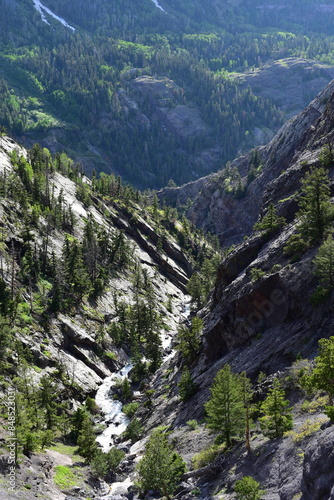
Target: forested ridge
72	89
84	82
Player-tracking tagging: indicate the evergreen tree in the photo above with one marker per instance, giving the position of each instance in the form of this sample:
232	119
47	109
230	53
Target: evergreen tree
247	394
277	415
186	385
5	340
134	430
47	397
5	299
225	408
327	156
75	278
271	222
189	339
324	262
323	374
316	211
87	445
161	467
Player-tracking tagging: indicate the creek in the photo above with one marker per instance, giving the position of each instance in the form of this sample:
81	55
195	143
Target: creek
114	418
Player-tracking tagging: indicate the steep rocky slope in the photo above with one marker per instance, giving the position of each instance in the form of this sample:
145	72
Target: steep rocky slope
73	346
280	166
263	324
260	318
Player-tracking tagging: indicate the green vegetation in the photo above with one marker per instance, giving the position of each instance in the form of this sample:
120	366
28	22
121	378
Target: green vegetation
161	467
202	281
104	463
226	407
187	387
66	449
307	429
36	284
271	222
323	374
87	445
192	424
189	339
277	415
134	430
130	409
248	489
316	211
314	218
256	274
205	457
65	477
324	263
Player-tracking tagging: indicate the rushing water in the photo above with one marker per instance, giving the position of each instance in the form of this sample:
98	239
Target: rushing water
115	419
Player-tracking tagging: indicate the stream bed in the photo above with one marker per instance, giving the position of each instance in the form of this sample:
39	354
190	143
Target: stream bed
114	418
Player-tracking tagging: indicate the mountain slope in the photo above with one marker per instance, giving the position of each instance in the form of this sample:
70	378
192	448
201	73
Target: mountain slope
265	313
219	208
88	278
84	82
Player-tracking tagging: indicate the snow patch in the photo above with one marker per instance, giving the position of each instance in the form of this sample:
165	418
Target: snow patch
156	3
40	8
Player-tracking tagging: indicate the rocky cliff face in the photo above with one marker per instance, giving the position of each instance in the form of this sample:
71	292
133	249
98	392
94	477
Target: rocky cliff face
281	166
264	324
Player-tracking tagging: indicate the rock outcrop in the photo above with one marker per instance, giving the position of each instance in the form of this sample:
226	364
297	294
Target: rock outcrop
290	83
283	163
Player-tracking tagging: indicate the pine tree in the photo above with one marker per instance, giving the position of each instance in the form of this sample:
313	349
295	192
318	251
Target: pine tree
323	374
316	211
277	415
247	394
186	385
87	440
161	467
196	288
189	339
47	396
324	262
76	279
225	408
271	222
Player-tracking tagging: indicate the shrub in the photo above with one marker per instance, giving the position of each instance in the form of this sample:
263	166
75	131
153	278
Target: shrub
186	386
192	424
256	274
295	247
102	463
320	295
248	489
130	409
134	430
207	456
